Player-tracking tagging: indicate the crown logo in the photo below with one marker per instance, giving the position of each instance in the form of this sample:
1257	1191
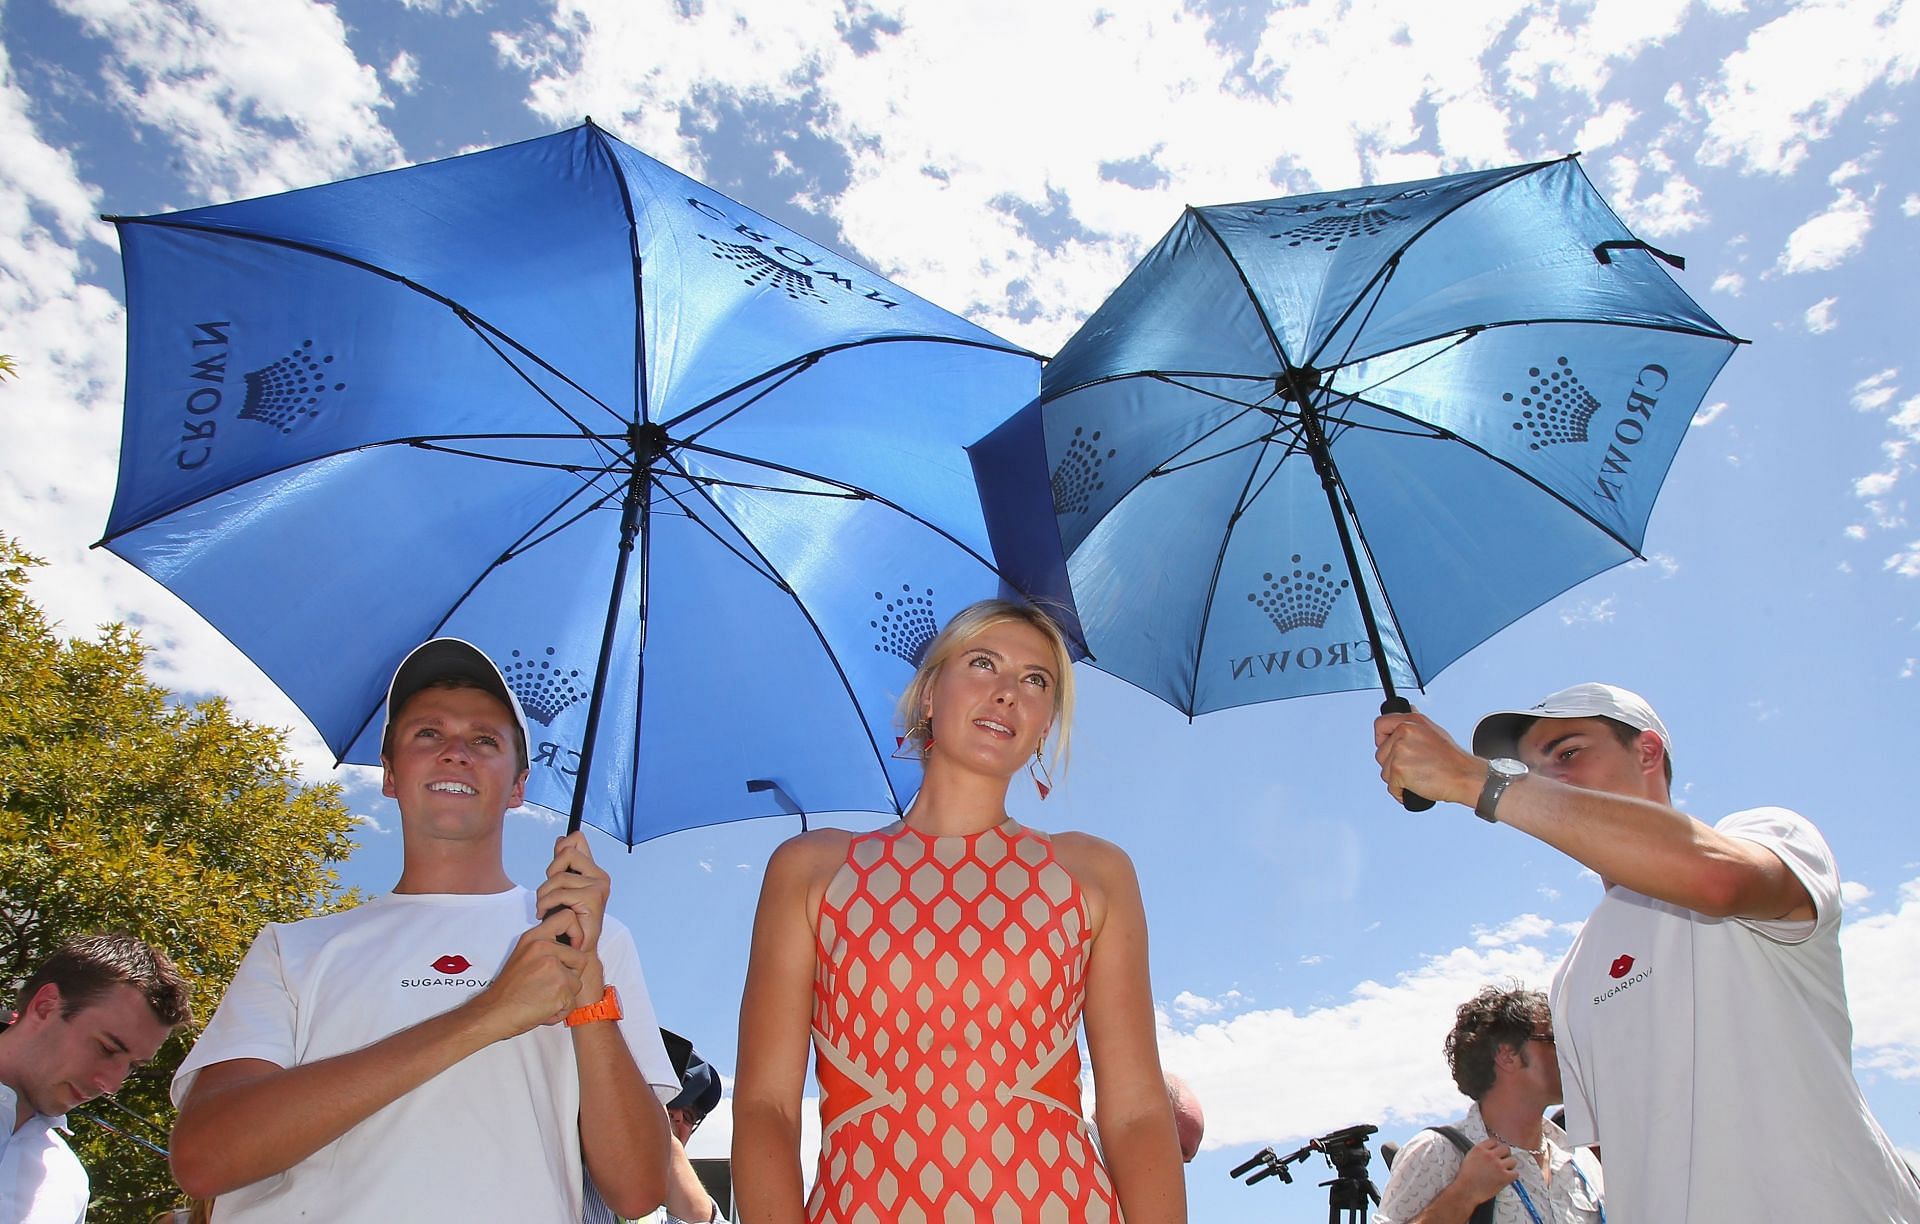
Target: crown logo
1077	478
289	390
759	266
1556	407
1302	597
545	689
905	624
1330	231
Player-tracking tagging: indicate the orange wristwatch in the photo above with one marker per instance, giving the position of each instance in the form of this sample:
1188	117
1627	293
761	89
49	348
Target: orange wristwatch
608	1008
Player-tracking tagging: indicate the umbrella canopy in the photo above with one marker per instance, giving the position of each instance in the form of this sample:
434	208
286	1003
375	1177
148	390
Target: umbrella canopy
697	483
1335	441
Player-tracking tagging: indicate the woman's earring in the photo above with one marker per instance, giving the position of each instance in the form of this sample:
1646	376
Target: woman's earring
914	744
1041	775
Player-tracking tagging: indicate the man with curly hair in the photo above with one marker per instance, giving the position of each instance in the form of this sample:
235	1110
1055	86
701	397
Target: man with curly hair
91	1014
1503	1162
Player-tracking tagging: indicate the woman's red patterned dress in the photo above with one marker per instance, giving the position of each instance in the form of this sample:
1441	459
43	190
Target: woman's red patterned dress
946	1012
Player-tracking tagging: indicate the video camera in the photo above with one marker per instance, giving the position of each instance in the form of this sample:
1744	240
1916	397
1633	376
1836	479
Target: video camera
1346	1152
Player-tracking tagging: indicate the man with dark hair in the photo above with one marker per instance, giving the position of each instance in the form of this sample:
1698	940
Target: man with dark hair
92	1013
1701	1013
407	1059
1503	1154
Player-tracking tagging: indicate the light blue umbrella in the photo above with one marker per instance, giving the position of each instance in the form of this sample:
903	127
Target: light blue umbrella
1335	441
697	483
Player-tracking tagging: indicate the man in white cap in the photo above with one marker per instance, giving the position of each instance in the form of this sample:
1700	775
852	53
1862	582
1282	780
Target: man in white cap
437	1054
1700	1016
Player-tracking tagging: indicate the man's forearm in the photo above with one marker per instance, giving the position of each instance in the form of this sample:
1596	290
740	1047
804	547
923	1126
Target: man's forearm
246	1121
687	1197
623	1129
1654	850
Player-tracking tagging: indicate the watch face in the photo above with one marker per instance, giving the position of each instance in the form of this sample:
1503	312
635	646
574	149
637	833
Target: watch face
1508	766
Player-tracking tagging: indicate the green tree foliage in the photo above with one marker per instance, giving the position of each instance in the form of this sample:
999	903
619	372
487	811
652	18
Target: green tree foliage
123	809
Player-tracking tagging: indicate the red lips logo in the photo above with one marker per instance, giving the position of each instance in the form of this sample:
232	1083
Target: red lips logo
1622	965
455	963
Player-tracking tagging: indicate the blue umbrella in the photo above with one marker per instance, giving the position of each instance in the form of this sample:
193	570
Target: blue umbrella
1334	441
697	483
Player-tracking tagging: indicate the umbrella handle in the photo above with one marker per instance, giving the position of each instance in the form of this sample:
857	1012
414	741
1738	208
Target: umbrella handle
1397	704
563	937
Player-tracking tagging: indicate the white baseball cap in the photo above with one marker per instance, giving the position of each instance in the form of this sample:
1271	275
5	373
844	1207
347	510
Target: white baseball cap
1498	734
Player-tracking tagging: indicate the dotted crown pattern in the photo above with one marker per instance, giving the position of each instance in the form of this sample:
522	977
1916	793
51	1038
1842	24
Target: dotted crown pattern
289	390
545	688
1077	476
1556	406
950	975
905	624
760	266
1302	597
1330	231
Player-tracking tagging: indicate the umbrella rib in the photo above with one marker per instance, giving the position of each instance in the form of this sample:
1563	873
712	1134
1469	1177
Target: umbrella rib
757	567
1266	324
858	494
785	373
1392	263
800	606
307	460
438	449
814	356
1672	329
1438	434
1213	581
466	316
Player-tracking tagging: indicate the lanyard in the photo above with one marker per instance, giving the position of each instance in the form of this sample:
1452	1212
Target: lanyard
1526	1200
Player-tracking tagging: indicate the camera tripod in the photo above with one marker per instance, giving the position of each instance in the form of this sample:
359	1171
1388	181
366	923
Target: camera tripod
1350	1191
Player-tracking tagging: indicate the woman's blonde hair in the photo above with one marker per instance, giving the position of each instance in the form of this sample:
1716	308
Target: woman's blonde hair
970	622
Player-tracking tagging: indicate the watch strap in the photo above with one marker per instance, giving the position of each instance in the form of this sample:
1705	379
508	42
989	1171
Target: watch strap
607	1008
1496	786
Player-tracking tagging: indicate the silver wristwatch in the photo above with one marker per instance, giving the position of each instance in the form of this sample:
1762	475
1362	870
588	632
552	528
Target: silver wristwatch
1501	771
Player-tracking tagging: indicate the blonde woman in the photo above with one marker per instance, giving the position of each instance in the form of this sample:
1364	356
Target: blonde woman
942	967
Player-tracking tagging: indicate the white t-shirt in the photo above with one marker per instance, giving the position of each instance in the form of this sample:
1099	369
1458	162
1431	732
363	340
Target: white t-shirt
1428	1163
494	1137
41	1180
1711	1059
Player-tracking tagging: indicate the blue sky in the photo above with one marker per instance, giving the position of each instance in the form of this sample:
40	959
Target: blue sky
1011	162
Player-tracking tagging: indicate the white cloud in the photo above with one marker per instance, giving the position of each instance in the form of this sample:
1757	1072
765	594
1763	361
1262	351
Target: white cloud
245	110
1672	209
1819	317
1875	391
445	7
1730	283
1589	611
1882	989
1582	57
1519	930
1375	1055
1798	74
1854	893
1910	206
1709	413
1190	1005
404	71
1826	239
1605	128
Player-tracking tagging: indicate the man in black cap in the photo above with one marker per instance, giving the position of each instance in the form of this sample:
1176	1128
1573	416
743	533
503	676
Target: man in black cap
1701	1015
437	1054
